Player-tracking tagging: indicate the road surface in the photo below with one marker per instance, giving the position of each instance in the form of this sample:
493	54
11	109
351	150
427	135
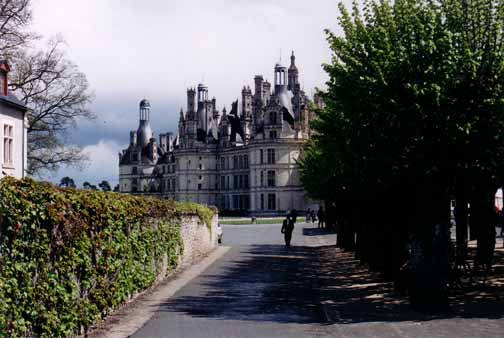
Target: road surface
262	289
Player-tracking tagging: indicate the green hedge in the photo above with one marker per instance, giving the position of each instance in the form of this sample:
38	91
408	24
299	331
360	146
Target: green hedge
69	257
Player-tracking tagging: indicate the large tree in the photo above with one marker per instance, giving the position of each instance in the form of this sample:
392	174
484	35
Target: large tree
413	112
55	91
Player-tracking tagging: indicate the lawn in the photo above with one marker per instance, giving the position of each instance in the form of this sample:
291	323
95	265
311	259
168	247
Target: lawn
249	221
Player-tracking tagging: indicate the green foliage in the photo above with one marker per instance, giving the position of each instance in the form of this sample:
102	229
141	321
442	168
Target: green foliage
415	90
69	257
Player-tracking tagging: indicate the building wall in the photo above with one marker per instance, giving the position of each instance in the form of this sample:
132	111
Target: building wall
15	118
201	177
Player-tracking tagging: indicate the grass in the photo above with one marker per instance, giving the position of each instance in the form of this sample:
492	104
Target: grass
249	221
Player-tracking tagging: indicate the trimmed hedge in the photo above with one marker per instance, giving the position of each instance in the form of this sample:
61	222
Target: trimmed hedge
69	257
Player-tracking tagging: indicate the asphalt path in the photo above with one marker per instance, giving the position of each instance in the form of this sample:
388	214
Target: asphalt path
255	290
260	288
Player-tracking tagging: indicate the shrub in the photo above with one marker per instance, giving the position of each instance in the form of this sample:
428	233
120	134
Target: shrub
68	257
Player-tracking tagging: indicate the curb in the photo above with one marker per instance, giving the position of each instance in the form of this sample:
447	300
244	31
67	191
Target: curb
130	319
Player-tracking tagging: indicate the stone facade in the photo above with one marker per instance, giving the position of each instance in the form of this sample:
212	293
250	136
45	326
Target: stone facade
244	160
13	147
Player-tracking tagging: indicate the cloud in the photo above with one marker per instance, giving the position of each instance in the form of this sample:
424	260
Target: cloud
103	165
155	49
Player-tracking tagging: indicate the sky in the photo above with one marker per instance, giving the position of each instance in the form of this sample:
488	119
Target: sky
156	49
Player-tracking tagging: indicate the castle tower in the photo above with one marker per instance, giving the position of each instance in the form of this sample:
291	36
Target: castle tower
144	132
293	75
280	78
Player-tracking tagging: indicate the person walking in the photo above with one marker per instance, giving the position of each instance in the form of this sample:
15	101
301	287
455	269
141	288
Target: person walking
321	217
288	227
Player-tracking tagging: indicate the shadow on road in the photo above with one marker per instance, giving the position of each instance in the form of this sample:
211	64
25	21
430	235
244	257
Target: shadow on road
316	285
317	231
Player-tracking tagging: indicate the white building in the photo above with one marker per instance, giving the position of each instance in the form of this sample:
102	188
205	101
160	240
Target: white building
244	160
13	148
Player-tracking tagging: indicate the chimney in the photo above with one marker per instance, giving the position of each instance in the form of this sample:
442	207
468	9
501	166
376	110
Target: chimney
153	149
4	71
170	141
133	138
163	142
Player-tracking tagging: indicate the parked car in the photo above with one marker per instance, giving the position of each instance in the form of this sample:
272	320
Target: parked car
219	233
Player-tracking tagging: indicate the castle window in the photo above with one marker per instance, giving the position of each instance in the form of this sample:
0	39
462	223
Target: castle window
273	134
262	178
245	161
200	166
173	185
271	202
262	201
240	162
261	156
271	156
223	163
273	117
200	177
235	162
134	171
271	178
199	186
235	182
246	181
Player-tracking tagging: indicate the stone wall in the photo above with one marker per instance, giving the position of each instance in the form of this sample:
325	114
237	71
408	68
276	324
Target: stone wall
199	238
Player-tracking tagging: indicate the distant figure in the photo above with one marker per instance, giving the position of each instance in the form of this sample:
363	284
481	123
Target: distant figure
313	217
288	226
321	217
308	215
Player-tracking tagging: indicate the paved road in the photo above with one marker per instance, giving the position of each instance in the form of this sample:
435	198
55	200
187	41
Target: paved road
262	289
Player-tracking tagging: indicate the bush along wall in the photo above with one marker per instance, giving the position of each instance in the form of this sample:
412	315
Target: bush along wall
69	257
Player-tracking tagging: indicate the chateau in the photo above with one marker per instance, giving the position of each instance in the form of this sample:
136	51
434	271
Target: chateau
241	160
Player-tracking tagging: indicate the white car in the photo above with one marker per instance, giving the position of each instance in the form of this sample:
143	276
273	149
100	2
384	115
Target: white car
219	233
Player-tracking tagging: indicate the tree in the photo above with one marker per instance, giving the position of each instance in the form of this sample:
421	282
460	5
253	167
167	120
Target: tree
67	182
15	17
116	188
105	185
86	185
58	95
413	113
56	92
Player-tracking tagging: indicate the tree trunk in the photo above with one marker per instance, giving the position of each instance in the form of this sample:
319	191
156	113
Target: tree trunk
485	218
461	214
429	261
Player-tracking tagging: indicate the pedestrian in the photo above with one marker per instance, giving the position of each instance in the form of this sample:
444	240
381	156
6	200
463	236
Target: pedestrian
321	217
288	227
308	215
313	217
